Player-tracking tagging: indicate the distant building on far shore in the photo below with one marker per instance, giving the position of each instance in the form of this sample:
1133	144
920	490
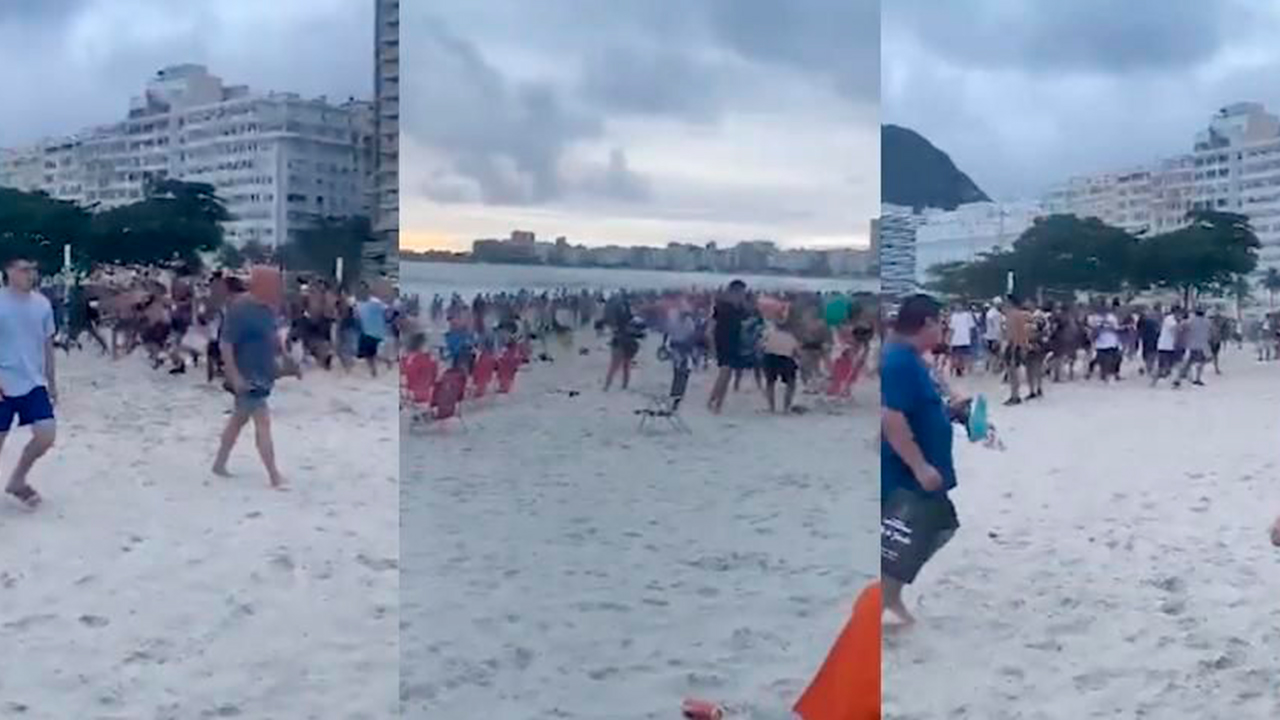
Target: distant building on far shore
753	256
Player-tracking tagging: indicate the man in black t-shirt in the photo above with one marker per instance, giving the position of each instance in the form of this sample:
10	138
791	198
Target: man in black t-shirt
726	332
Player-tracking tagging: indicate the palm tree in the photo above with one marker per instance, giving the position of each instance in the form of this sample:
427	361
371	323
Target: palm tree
1271	283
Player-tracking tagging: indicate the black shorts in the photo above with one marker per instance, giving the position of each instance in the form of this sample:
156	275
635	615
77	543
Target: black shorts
1198	357
1015	356
731	357
28	409
913	528
779	367
367	347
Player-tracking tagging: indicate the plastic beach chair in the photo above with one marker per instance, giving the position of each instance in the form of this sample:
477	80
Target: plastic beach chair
667	407
447	397
482	373
418	375
508	366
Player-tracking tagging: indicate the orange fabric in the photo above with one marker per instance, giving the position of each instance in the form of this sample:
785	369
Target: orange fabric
847	686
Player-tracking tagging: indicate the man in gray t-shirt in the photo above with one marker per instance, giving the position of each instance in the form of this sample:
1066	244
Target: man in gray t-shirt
28	384
1198	334
249	347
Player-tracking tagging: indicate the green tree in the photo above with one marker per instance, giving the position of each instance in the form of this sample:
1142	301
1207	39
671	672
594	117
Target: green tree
231	257
1207	255
33	222
1271	283
317	249
176	222
1066	253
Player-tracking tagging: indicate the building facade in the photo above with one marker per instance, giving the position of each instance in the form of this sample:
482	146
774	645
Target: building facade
386	217
896	246
277	160
964	234
1234	166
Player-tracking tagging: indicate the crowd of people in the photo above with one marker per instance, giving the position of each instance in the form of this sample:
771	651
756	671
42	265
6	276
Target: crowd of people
806	342
247	329
1027	344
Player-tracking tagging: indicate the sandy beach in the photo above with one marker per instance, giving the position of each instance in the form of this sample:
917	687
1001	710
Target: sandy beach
147	588
1114	562
557	563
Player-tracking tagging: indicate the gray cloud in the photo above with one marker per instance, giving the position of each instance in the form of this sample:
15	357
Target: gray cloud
93	55
838	40
507	137
664	81
1083	35
644	106
1025	94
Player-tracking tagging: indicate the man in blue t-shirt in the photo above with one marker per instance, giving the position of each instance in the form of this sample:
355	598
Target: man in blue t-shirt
916	436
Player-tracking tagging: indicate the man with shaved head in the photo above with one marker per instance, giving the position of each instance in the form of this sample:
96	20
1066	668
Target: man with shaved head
249	347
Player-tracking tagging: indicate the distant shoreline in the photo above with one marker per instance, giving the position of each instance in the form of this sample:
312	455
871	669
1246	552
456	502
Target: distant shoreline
460	259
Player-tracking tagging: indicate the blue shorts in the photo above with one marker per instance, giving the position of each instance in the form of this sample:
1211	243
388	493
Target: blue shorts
31	408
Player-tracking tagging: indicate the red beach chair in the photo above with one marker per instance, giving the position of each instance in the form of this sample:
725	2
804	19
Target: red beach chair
418	375
482	373
508	365
842	376
446	398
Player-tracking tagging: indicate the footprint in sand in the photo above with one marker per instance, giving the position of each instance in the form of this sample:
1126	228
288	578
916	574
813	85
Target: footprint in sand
94	621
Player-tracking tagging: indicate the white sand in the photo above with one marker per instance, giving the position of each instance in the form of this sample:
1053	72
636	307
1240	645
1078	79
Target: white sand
559	564
1114	562
146	588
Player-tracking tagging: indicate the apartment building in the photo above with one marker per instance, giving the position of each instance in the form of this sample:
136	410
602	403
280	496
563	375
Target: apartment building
386	216
1234	166
279	161
896	249
964	234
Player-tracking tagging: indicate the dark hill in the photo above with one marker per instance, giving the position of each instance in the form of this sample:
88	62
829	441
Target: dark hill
916	174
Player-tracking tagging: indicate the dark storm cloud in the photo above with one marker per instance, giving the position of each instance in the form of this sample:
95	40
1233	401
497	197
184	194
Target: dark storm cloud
1026	93
665	81
507	137
1081	35
27	11
93	55
615	60
838	40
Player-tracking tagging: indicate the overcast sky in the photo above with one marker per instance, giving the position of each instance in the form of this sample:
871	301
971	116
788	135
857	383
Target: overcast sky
639	122
1025	93
68	64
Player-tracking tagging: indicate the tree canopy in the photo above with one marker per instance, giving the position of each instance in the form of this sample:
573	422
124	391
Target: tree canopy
175	223
1064	254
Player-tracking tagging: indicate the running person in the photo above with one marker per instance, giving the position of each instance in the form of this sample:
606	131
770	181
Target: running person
730	314
28	382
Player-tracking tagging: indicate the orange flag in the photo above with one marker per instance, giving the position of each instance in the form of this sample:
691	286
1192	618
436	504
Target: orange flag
847	686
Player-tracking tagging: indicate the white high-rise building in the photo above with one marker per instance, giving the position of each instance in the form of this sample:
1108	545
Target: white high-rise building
386	217
278	161
964	234
896	249
1234	167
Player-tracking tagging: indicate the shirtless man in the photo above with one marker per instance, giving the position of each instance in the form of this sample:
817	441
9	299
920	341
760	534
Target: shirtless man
1018	331
28	383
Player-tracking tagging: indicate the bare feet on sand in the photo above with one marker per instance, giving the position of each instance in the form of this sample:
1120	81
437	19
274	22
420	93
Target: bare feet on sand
221	471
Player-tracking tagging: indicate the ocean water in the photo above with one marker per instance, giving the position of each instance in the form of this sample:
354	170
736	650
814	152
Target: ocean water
427	279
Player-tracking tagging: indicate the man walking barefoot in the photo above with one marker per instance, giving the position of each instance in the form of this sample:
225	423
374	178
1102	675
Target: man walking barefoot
916	465
249	347
28	384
